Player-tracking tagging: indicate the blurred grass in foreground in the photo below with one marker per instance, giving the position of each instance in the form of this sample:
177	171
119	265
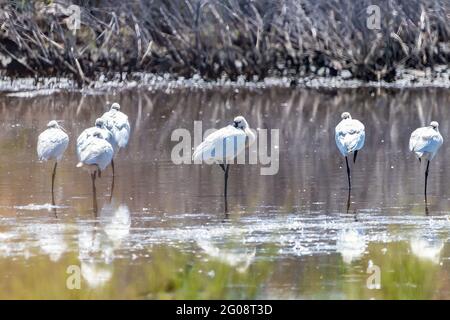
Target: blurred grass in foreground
168	274
171	274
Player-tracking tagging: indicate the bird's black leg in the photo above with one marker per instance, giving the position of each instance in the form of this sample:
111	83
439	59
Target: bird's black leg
226	207
112	188
94	192
348	174
426	179
355	154
53	183
227	167
348	201
53	177
112	166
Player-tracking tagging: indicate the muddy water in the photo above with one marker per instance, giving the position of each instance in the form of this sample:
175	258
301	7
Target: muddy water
164	233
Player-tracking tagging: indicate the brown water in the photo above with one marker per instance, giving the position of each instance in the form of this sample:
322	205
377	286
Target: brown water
164	233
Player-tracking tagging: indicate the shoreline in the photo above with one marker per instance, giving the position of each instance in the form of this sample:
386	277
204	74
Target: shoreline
27	87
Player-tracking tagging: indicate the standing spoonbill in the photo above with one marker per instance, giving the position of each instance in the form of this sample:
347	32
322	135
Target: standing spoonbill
117	123
425	142
51	146
350	136
223	145
87	134
96	153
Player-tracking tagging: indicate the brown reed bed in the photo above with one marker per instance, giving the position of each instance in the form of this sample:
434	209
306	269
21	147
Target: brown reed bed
222	38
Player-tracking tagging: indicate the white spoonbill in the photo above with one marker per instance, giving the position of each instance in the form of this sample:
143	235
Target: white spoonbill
350	136
223	145
100	127
96	153
117	123
425	142
51	145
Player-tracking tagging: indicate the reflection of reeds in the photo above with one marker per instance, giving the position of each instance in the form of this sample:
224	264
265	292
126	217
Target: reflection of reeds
306	120
224	37
309	173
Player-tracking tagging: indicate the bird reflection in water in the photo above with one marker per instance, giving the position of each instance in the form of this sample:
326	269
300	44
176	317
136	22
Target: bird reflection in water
98	243
116	222
351	244
427	247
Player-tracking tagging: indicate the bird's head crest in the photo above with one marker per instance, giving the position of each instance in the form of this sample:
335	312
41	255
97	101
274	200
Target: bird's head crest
240	122
346	115
53	124
434	125
115	106
99	123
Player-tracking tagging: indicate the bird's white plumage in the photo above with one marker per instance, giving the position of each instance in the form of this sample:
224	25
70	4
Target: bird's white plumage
95	151
225	144
52	143
117	123
349	135
88	133
425	142
222	145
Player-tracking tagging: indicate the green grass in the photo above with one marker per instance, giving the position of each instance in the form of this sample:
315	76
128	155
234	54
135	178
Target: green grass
166	274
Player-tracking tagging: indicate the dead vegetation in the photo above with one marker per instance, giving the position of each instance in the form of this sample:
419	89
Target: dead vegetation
222	38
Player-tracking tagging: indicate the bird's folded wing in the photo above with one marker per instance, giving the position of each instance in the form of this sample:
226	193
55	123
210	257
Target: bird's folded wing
350	135
424	140
83	139
122	135
122	122
116	120
221	144
50	140
95	149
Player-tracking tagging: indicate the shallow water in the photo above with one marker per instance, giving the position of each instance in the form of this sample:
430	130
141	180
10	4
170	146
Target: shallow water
164	233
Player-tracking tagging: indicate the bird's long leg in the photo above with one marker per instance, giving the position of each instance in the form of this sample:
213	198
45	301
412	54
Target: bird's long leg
112	166
226	207
426	179
112	188
227	167
94	192
348	174
348	201
53	194
53	179
355	154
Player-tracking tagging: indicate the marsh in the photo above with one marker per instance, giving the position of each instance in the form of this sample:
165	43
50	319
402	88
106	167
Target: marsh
162	231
